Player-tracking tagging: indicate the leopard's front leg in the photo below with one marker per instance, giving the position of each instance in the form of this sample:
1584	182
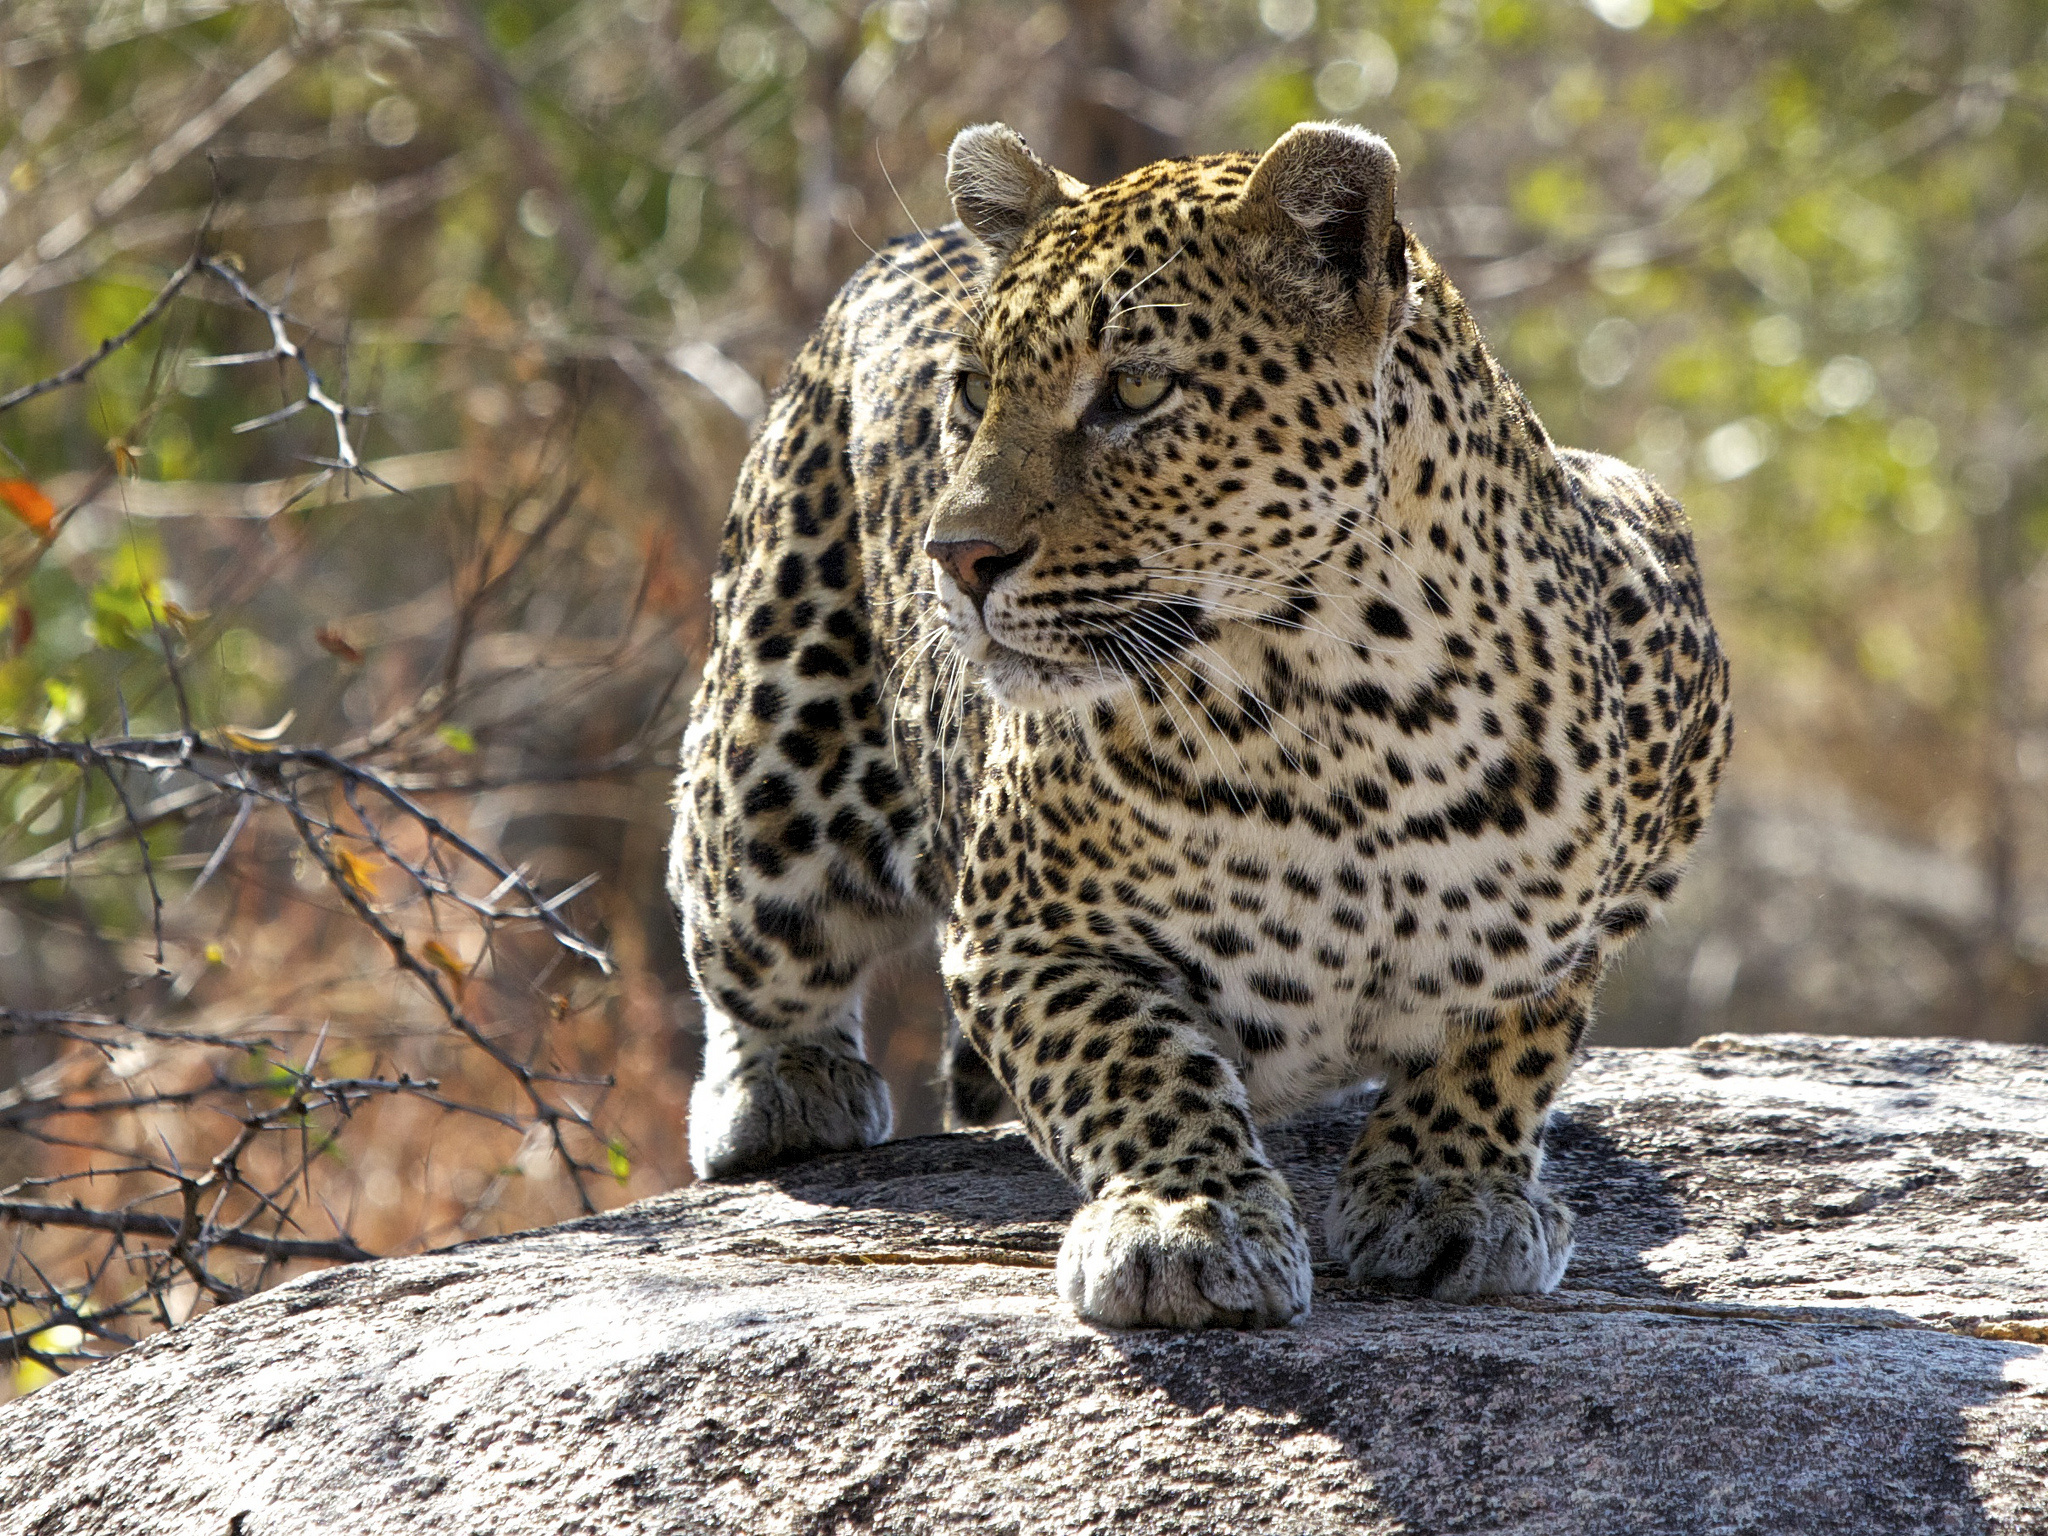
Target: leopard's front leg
1442	1194
1187	1225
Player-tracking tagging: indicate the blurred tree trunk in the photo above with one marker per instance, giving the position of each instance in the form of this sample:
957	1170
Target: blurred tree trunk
812	273
2005	564
1110	119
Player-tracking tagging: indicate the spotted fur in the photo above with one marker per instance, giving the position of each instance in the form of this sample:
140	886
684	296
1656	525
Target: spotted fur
1318	721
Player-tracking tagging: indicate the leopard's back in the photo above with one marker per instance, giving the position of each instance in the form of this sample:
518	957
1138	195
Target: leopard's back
1672	670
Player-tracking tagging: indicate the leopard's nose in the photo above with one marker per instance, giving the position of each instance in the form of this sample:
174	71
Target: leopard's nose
976	563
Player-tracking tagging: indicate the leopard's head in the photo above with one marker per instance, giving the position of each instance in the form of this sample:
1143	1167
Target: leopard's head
1164	414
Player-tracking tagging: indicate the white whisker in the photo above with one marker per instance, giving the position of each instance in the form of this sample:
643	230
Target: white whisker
969	317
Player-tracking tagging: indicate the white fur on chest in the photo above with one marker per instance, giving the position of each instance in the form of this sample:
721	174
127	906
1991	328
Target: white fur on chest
1310	983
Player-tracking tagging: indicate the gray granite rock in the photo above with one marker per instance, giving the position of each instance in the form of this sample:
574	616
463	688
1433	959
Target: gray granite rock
1810	1296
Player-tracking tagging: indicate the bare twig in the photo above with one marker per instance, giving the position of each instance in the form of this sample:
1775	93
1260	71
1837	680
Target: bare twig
85	365
283	349
266	769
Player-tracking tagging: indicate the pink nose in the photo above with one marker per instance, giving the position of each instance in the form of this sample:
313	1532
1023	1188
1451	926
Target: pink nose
976	563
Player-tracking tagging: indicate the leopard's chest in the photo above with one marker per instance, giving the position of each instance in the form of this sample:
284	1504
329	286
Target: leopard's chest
1313	962
1319	910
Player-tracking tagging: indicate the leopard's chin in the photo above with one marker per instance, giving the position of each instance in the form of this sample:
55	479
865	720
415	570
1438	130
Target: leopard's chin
1017	680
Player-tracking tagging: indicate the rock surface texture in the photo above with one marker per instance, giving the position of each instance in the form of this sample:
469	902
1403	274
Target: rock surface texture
1810	1296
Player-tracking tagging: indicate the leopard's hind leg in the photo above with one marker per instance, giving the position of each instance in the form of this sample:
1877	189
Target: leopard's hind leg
970	1093
785	909
800	856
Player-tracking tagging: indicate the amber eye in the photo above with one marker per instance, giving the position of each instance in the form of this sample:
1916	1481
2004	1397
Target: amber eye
973	390
1141	391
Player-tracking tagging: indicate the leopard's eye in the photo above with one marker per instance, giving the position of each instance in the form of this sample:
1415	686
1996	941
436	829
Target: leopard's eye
1141	391
973	392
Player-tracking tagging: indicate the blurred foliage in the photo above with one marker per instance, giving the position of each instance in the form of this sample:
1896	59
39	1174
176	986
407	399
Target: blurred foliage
1791	255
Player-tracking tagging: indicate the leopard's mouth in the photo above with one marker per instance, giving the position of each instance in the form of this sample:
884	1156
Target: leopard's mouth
1022	680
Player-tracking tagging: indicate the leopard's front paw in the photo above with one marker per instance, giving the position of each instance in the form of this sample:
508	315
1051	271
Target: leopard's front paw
1452	1236
782	1106
1133	1259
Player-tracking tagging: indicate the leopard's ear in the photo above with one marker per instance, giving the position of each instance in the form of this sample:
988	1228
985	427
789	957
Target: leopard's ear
999	188
1324	195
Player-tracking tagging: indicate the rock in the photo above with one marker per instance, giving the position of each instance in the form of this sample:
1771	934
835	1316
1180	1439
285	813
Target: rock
1810	1296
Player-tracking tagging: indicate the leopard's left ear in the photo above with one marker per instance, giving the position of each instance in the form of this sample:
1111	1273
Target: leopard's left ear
1325	194
999	188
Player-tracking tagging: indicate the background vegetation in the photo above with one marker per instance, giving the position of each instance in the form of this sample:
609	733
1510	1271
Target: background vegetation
332	674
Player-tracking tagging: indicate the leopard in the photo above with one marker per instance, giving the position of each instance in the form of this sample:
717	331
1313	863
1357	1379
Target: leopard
1157	593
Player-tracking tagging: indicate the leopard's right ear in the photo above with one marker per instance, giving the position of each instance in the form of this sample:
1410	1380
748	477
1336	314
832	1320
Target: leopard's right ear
1319	208
999	188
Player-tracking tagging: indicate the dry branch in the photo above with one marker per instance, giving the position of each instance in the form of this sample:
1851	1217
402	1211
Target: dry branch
353	813
113	344
340	1250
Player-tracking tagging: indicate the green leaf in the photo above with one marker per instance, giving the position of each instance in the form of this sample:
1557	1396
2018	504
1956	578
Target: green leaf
267	1074
456	738
621	1165
125	611
67	704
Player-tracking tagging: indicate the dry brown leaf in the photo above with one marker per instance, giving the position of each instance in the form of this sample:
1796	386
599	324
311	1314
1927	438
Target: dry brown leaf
335	643
252	738
25	499
444	959
357	871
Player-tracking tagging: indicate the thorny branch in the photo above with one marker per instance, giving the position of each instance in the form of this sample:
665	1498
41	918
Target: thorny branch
188	1237
340	1250
354	813
283	349
445	866
280	774
114	343
346	458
